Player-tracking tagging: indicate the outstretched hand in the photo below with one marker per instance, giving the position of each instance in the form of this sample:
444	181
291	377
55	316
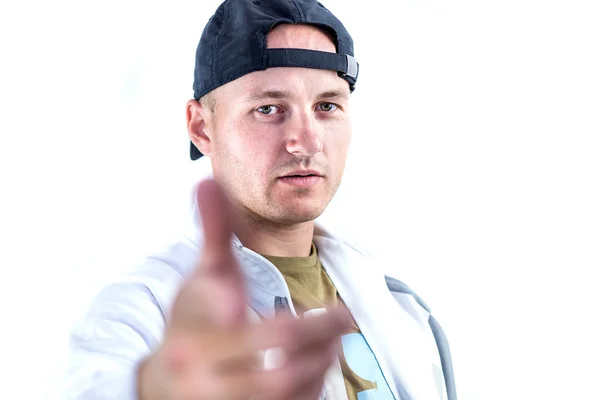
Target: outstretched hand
210	349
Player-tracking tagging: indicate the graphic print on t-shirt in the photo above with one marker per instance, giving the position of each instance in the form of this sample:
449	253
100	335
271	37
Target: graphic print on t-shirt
361	361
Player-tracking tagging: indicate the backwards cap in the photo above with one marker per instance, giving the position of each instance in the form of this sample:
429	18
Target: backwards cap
234	43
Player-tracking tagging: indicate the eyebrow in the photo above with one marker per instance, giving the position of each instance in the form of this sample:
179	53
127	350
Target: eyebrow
281	94
335	94
267	94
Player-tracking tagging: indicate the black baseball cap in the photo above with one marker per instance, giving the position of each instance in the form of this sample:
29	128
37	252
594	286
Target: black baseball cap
234	43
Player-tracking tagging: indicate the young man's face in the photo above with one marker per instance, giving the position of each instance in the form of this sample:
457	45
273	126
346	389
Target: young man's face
278	139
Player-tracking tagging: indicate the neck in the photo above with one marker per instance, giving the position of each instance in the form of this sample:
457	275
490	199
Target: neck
273	239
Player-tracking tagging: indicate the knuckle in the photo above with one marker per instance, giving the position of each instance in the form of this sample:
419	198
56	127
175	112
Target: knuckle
290	334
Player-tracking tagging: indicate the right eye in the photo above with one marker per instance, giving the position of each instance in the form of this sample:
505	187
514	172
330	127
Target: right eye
268	110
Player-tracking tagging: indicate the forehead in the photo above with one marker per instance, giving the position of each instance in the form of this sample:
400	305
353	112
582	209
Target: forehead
300	37
300	83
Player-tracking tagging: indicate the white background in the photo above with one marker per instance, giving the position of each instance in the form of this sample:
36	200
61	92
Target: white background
474	172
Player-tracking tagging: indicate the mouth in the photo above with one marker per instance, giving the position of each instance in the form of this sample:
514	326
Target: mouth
303	179
302	174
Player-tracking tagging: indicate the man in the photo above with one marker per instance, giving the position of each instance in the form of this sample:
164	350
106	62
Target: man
257	301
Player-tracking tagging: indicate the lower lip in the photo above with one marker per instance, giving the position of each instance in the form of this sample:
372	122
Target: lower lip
301	181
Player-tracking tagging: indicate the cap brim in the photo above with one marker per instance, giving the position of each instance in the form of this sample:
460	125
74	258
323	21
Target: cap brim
194	152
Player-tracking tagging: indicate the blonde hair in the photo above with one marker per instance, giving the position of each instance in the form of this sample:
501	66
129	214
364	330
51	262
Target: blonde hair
209	101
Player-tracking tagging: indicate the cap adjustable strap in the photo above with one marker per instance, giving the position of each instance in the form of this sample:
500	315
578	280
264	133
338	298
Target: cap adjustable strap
346	65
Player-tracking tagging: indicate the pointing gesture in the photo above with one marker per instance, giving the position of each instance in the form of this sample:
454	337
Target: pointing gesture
215	295
210	350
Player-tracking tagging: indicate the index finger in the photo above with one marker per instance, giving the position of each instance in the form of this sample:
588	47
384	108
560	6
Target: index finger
216	293
216	221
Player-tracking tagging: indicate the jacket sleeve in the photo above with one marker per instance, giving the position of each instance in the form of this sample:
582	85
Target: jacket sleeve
123	324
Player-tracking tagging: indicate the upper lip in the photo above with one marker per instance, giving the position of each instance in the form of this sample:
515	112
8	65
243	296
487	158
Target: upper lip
303	172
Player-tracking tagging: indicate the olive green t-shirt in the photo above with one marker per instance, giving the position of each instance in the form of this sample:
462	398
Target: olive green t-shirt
311	288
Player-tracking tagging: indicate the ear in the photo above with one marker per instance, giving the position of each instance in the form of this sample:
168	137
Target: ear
199	124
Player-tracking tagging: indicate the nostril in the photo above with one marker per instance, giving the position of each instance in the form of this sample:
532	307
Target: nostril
256	2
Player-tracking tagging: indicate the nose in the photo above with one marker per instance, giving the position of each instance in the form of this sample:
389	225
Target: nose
304	135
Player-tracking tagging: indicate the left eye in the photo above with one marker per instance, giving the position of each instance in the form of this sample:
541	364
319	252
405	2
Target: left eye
328	107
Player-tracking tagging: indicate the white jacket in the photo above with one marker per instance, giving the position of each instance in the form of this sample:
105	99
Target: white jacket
126	320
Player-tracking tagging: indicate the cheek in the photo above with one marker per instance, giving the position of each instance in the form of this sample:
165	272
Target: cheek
262	140
231	139
248	147
337	143
265	138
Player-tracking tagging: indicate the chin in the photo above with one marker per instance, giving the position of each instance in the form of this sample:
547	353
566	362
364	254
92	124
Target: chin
296	207
295	214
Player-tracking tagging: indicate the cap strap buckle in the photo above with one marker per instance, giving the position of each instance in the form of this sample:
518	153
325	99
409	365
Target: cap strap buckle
342	63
